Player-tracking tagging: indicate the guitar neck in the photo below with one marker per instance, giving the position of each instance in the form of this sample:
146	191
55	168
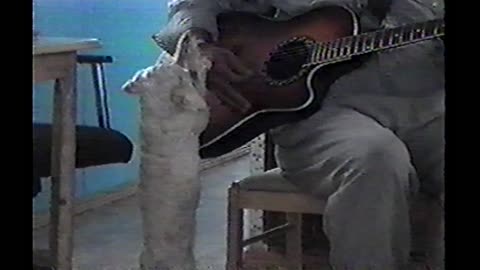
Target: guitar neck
376	41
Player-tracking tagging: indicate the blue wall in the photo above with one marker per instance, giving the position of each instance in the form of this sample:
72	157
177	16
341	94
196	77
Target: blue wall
124	27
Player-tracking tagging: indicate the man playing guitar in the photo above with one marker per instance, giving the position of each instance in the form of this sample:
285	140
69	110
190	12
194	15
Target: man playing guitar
378	138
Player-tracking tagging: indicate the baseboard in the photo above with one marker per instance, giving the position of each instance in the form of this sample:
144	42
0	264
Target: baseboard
42	220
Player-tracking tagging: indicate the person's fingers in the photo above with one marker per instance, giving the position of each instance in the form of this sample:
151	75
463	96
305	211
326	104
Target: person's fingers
225	59
236	65
222	70
227	94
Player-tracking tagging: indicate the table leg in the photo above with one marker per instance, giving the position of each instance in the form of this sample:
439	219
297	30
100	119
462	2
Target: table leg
63	169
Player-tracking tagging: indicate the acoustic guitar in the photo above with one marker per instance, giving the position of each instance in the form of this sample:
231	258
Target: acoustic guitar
295	63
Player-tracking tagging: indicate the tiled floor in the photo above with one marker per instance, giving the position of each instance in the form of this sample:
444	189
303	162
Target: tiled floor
109	238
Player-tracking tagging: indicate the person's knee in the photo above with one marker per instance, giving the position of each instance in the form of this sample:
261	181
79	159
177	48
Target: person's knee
383	152
383	163
378	160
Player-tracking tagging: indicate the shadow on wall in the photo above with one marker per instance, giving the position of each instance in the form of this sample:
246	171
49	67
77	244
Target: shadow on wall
124	27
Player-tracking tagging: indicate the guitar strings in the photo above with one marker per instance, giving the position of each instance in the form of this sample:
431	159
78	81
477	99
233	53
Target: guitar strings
437	24
335	51
332	53
306	48
354	39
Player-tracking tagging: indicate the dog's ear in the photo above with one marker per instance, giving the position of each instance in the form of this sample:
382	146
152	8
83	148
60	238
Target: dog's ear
134	85
139	82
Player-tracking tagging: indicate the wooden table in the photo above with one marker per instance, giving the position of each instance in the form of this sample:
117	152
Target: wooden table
55	59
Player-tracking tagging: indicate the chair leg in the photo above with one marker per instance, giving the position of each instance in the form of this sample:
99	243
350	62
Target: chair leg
294	241
234	230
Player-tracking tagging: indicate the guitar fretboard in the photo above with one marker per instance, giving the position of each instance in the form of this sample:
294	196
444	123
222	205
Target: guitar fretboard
374	41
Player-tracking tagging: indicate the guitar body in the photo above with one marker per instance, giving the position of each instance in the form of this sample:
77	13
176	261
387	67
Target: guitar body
254	40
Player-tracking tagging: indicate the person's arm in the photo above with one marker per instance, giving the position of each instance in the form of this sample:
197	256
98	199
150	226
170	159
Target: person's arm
198	16
298	7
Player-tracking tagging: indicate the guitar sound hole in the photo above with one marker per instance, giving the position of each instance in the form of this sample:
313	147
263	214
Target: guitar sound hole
287	60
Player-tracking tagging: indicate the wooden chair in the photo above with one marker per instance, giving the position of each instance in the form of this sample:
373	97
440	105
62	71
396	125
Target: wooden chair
269	191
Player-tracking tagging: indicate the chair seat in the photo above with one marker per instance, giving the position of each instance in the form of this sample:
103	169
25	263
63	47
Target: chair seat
95	146
270	191
271	181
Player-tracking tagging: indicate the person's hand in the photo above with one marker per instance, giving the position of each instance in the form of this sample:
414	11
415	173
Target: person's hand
226	70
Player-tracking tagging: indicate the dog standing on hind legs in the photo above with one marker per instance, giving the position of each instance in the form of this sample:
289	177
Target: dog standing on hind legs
173	114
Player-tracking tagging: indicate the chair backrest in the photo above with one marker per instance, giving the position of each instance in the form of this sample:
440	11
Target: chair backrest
99	83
